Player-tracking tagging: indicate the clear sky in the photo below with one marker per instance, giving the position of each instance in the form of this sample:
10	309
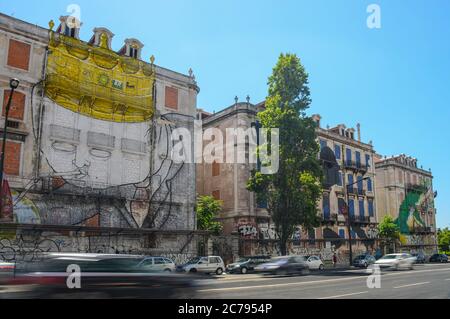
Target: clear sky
395	81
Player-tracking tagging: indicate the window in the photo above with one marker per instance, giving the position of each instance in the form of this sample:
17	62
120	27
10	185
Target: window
340	179
360	185
12	158
261	203
358	159
342	233
326	205
361	208
353	234
216	195
350	180
19	55
337	151
369	185
349	156
133	52
70	32
351	207
215	169
17	109
400	177
312	236
171	98
147	262
341	206
168	261
368	160
323	144
159	261
371	208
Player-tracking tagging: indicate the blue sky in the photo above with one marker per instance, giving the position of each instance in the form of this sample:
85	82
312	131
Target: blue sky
394	80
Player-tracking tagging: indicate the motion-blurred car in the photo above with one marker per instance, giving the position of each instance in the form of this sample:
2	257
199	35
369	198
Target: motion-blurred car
6	271
101	276
396	261
420	258
158	264
207	265
364	261
247	264
286	265
439	258
314	263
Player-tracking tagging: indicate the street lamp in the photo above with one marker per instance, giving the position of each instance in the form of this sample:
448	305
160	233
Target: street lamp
348	217
13	84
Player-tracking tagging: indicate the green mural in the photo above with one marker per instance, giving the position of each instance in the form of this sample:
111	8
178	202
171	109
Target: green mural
418	202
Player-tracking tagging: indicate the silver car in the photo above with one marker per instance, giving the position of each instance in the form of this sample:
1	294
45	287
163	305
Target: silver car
157	264
396	261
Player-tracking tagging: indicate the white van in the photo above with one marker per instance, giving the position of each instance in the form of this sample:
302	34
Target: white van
208	265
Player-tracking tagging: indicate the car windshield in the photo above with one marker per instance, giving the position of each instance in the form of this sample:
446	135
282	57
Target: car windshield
361	257
243	260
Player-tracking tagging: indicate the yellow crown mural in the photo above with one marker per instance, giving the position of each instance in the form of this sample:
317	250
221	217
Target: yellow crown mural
97	82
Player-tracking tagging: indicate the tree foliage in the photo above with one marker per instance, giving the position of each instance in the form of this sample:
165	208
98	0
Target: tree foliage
444	240
292	193
207	209
388	229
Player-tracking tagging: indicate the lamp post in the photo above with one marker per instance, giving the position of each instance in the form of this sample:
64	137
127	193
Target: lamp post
13	84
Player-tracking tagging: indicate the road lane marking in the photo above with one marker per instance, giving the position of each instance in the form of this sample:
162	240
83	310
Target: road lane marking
346	295
411	285
309	282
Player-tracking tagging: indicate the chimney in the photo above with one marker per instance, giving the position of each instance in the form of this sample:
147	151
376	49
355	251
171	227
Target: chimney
358	127
316	118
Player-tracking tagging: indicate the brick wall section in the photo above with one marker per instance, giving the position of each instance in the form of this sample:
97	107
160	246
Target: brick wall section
215	169
17	109
19	55
12	159
171	98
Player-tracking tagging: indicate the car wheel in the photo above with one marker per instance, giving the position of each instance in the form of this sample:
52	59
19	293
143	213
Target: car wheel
321	267
244	271
365	265
219	271
193	270
167	270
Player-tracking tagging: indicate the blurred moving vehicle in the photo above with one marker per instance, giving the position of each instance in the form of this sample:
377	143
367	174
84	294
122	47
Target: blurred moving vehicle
439	258
363	261
247	264
314	263
6	271
158	264
100	276
207	265
286	265
420	258
396	261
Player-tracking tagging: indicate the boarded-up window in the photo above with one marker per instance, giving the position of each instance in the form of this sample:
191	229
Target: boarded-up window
215	169
216	195
17	108
171	98
12	158
19	54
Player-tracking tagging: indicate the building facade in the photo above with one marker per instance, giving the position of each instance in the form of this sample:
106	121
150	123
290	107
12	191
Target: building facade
89	141
243	215
405	192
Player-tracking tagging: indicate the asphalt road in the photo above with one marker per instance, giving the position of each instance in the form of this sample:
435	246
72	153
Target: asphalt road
429	281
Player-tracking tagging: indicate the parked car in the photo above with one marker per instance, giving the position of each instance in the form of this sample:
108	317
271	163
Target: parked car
396	261
420	258
363	261
247	264
439	258
314	263
157	264
208	265
286	265
101	276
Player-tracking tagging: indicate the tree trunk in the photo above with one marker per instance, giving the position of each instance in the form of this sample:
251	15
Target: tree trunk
283	246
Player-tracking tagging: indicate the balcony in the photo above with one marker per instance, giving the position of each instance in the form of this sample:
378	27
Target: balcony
416	188
422	230
329	218
354	166
356	191
360	219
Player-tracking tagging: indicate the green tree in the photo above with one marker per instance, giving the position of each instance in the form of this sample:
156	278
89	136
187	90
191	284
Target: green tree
444	240
207	209
293	192
388	231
